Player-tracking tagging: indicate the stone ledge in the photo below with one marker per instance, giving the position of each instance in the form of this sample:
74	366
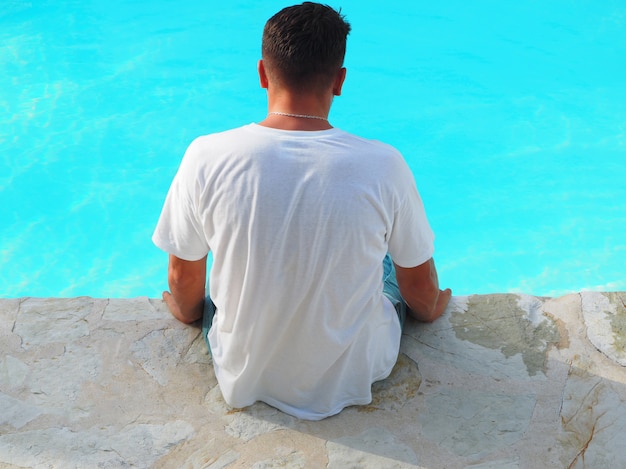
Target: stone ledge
500	381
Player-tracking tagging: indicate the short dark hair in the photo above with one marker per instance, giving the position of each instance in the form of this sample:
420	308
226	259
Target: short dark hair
304	45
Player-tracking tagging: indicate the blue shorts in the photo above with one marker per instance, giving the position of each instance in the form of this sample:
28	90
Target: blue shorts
390	290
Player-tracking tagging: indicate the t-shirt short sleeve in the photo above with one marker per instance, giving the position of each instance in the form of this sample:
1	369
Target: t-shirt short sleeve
179	230
411	241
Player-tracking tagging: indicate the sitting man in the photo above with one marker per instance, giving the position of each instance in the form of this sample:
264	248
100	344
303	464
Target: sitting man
303	219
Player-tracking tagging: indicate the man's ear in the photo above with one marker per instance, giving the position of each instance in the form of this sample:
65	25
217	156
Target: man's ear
339	79
262	74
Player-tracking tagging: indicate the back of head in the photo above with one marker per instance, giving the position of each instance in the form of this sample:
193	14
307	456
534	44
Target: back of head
304	46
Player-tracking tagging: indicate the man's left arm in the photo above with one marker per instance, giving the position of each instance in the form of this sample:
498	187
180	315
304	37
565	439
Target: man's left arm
187	280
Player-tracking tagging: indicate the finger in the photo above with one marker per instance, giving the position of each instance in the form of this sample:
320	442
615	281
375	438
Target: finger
170	302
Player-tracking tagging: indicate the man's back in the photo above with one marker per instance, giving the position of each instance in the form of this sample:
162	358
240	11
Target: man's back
299	223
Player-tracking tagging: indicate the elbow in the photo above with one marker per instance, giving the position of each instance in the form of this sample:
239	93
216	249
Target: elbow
432	310
424	312
427	316
422	302
187	320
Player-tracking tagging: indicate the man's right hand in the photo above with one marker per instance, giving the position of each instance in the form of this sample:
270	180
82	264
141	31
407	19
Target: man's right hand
442	301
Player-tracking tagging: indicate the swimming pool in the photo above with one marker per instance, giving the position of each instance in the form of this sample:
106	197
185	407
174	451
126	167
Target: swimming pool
511	116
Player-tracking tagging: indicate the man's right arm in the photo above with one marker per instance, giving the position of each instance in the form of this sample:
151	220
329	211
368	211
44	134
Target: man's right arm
419	287
187	281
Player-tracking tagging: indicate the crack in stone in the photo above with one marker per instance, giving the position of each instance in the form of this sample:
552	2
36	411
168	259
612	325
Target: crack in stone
580	308
432	347
19	310
151	332
189	346
106	305
585	447
580	406
588	419
562	400
582	451
151	303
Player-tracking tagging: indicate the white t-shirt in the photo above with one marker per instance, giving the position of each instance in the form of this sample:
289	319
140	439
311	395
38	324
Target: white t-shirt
298	223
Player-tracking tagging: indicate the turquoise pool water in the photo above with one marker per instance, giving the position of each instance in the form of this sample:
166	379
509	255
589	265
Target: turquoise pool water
512	116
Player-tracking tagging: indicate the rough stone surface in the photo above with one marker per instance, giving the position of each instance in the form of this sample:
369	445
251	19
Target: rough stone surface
500	381
605	318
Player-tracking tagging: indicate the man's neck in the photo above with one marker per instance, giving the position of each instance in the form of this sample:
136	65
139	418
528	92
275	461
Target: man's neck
290	122
289	112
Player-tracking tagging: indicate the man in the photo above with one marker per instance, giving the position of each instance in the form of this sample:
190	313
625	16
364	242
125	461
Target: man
300	217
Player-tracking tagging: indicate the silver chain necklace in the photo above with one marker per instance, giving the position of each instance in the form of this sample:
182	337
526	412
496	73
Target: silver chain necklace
302	116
